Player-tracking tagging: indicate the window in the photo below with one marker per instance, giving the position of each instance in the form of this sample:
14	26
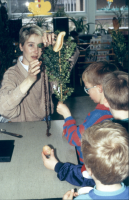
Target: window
106	11
104	5
19	6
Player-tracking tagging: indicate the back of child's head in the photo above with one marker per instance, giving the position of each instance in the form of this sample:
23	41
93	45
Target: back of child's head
116	90
27	31
95	72
105	152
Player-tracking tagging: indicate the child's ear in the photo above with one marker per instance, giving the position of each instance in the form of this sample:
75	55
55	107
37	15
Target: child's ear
105	102
89	171
20	46
100	88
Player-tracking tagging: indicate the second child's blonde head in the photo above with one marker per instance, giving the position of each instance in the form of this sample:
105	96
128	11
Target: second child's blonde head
105	152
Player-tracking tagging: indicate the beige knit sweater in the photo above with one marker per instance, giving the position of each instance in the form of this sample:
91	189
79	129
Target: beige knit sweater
20	107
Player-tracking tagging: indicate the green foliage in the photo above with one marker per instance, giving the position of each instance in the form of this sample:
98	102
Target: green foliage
79	24
60	13
99	27
62	78
120	14
119	46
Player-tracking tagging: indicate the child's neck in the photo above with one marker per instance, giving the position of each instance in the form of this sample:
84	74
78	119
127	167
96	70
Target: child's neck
107	188
120	114
102	98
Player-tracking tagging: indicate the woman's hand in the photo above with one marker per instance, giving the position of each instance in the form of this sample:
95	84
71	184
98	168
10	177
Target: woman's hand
48	39
34	69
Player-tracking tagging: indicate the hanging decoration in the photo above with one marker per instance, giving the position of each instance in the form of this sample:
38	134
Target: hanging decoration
39	7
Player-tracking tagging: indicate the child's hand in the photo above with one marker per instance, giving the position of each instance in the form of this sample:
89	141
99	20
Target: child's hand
62	109
70	194
50	162
34	69
48	39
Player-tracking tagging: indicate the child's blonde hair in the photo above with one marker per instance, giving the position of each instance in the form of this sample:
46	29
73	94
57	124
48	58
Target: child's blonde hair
105	151
116	90
95	72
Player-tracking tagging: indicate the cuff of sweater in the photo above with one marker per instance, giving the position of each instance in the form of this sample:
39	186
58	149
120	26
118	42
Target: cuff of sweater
58	166
68	118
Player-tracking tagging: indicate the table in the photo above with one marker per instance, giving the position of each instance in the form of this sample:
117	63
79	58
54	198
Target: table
25	177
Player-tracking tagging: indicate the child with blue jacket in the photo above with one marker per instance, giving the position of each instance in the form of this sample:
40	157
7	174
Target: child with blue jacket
105	153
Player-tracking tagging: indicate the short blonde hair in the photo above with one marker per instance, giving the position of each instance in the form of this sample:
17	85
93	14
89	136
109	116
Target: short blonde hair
95	72
105	151
116	90
27	31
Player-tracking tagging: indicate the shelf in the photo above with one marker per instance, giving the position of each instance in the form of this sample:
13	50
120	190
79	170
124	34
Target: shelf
93	62
93	44
96	50
111	54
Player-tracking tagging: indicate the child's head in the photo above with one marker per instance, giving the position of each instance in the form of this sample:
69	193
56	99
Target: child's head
105	152
93	78
27	31
116	90
95	72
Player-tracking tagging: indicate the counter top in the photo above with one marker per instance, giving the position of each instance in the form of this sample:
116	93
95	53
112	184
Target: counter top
25	177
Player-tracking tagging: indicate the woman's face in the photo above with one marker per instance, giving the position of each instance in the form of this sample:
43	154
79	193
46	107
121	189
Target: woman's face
30	49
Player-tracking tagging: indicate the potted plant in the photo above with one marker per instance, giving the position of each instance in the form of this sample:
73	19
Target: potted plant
80	27
60	13
119	15
119	46
61	21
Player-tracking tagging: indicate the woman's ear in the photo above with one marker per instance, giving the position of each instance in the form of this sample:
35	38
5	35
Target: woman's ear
20	46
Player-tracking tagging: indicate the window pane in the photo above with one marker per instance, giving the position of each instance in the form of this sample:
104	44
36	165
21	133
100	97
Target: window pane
110	11
101	4
19	6
68	5
106	21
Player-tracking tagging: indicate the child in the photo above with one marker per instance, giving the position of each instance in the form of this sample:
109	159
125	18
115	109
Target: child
115	87
93	77
105	152
22	91
116	92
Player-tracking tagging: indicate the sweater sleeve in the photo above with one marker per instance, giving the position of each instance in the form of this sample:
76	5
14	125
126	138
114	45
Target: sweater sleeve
73	133
72	174
10	97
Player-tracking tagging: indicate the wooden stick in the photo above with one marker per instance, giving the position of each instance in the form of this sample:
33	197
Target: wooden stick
60	72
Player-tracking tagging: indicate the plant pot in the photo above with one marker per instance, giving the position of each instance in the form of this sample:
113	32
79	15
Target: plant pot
61	24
